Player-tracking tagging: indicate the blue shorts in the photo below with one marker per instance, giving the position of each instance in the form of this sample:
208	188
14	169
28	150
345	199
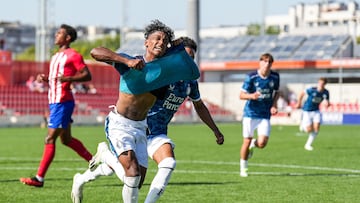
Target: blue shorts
60	114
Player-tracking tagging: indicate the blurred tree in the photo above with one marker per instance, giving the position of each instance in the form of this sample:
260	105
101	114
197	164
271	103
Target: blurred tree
272	30
253	29
27	55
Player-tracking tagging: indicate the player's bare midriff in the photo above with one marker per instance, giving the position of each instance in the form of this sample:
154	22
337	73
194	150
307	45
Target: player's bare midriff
135	107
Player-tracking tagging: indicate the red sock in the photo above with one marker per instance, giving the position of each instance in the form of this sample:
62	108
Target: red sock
77	146
48	156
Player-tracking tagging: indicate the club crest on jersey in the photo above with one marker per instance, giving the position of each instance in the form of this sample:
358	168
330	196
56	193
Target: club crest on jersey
256	84
271	84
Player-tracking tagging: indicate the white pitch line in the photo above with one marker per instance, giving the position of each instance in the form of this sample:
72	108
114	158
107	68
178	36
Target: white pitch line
276	166
186	162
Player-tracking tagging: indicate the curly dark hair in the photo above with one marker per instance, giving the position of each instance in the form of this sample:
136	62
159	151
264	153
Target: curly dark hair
157	25
188	42
70	31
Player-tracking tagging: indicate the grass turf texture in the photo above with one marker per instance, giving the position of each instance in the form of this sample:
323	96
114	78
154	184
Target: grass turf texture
205	172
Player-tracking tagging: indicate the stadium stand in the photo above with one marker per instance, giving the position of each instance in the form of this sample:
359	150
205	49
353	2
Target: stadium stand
312	55
19	101
248	48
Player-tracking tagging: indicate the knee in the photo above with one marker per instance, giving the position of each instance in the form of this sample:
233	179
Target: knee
168	162
49	139
65	141
261	144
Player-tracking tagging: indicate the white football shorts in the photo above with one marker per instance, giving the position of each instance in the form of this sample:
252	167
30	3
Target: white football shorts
154	142
124	134
261	124
310	117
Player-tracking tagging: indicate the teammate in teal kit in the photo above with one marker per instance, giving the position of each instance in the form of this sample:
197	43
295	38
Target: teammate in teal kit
311	116
160	147
260	89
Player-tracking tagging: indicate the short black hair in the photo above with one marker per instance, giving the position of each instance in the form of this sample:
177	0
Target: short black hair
188	42
70	31
157	25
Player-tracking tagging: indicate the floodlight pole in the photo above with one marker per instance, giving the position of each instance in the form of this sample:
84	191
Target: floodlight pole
123	28
262	27
41	33
193	25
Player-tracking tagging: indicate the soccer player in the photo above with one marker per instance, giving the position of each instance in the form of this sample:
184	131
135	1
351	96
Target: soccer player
126	125
66	66
160	146
311	116
260	89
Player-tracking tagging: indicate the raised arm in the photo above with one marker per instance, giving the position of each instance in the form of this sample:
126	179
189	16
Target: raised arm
106	55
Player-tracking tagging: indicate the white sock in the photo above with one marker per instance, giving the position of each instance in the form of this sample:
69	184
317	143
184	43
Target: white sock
41	179
102	170
111	160
252	144
311	138
243	164
161	179
130	190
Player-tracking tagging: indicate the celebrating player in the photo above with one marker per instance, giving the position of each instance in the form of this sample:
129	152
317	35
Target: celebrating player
160	146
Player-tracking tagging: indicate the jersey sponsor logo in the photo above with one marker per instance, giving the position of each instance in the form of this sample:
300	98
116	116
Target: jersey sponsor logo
173	102
265	93
317	100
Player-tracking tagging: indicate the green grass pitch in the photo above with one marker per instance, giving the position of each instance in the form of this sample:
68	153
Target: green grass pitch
205	172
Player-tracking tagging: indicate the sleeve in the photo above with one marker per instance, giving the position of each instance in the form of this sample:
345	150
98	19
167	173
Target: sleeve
327	95
247	85
120	67
277	85
194	91
78	61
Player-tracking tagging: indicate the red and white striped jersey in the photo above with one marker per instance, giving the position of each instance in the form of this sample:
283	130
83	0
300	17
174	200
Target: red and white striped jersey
66	63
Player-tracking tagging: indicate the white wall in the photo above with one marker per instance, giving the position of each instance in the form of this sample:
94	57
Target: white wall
226	95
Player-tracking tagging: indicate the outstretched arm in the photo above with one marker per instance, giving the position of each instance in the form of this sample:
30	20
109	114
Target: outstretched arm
205	116
106	55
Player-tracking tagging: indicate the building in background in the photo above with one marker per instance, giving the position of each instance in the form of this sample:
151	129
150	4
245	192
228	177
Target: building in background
16	37
318	18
